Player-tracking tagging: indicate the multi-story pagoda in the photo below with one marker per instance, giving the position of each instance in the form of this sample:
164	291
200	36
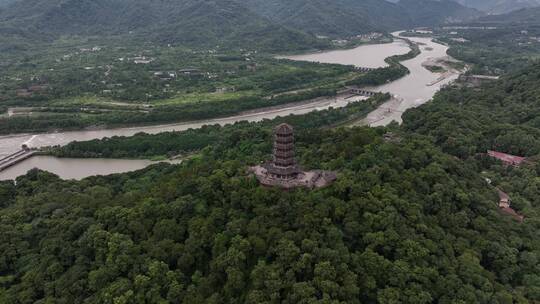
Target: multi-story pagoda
283	170
284	165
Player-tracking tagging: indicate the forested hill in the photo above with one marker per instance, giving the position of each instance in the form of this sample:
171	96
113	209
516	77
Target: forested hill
195	23
404	223
526	16
504	116
233	22
499	6
430	13
348	17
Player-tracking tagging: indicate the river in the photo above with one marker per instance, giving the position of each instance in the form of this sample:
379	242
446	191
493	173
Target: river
410	91
416	88
76	168
367	56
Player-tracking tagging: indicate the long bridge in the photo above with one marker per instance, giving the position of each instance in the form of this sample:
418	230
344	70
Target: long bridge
354	91
364	69
15	158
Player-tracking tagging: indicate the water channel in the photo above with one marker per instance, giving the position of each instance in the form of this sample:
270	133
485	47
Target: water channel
411	91
76	168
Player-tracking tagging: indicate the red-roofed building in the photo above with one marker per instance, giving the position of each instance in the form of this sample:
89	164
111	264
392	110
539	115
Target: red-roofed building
507	159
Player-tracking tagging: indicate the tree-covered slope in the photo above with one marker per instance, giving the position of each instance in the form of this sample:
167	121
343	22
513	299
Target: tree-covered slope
403	223
323	17
504	116
350	17
499	6
198	23
526	16
210	22
430	13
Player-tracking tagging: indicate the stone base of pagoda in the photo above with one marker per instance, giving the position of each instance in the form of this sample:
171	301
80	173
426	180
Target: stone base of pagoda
295	178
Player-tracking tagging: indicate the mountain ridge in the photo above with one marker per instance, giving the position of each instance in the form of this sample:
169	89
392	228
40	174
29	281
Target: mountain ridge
226	22
499	6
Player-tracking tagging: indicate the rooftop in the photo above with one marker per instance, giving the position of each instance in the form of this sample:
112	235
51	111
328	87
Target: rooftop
507	158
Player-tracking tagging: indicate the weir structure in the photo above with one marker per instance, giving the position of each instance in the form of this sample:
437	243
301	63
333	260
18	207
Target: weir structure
283	171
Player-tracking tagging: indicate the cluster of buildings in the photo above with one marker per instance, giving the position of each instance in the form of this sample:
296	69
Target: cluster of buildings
362	37
369	36
80	51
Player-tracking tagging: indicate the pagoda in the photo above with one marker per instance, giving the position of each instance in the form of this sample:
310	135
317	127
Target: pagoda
284	165
283	170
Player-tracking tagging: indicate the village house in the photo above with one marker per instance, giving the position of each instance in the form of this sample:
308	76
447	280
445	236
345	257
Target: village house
189	71
504	199
165	75
142	60
504	206
478	80
225	90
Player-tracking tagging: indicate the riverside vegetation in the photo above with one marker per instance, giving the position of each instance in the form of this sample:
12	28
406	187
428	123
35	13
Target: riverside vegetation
410	220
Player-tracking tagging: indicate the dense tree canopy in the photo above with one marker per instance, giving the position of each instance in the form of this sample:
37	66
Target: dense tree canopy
404	223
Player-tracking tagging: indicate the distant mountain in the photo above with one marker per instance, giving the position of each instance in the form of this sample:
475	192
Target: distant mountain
190	22
333	18
522	16
347	17
499	6
289	24
429	13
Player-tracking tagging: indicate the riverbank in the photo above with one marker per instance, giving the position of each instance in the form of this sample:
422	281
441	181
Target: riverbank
11	143
416	88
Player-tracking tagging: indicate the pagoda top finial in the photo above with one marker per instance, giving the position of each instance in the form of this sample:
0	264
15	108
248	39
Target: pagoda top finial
284	129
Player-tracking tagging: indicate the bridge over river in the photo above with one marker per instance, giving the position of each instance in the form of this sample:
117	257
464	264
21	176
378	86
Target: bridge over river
15	158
